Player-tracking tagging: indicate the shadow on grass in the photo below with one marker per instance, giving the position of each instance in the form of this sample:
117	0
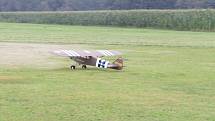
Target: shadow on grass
91	69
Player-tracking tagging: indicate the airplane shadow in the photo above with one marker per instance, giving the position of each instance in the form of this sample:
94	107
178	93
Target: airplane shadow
89	69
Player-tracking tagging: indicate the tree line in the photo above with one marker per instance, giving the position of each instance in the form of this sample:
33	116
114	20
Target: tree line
83	5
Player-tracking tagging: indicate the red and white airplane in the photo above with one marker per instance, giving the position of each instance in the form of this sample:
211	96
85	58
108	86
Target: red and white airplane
92	58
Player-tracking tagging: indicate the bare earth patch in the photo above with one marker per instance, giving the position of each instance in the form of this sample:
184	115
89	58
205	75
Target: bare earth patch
12	80
8	78
30	55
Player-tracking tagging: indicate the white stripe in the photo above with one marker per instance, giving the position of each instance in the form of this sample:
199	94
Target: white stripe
74	53
71	53
105	51
65	51
86	51
111	54
102	52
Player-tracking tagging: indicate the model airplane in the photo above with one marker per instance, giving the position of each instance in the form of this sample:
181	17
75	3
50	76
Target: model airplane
92	58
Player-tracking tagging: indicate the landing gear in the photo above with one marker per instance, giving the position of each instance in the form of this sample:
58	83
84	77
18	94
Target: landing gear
72	67
84	67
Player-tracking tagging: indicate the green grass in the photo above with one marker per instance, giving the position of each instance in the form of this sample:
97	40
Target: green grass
169	76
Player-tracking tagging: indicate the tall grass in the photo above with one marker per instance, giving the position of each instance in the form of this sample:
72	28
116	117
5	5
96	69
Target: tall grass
197	20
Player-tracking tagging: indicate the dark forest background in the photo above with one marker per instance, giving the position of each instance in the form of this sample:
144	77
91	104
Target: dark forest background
83	5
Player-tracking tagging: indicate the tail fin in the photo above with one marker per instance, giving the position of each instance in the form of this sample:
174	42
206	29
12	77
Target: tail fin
119	63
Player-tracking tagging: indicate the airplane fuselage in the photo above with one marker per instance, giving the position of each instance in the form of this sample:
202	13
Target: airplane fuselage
98	62
91	58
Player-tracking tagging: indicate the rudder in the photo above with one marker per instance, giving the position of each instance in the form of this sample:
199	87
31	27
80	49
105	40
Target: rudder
119	63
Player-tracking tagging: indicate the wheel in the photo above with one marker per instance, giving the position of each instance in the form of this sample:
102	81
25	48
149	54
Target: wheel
72	67
84	66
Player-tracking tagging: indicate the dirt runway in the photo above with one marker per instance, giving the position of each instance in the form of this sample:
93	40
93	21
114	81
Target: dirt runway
30	55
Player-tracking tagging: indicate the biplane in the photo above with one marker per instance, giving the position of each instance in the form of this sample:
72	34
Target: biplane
92	58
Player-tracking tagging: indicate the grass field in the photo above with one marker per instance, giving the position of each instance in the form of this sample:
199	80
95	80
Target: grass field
169	75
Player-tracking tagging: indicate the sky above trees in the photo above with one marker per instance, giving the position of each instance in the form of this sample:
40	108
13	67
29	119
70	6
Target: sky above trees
82	5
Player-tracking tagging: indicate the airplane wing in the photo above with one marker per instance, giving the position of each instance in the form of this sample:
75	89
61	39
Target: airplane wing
87	53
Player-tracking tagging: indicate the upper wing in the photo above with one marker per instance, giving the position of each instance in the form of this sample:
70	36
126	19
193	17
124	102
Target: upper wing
100	53
85	53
